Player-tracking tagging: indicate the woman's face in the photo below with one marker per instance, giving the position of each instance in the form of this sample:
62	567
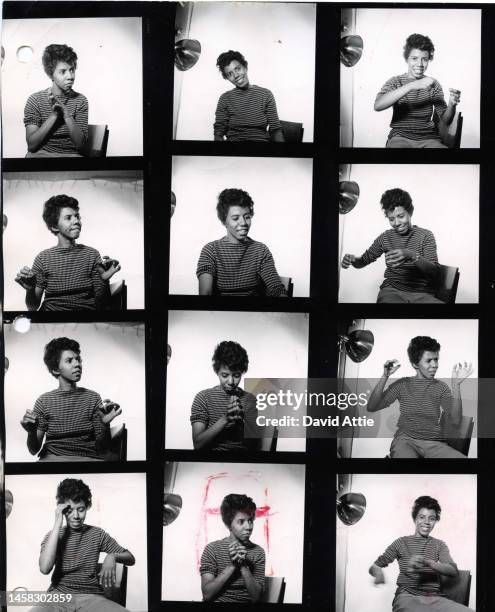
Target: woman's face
237	74
425	521
238	223
417	63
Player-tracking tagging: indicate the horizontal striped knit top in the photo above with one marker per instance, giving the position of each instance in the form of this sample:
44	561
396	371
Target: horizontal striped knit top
210	405
420	400
71	421
243	268
413	114
424	583
77	557
38	108
216	558
245	114
69	277
407	276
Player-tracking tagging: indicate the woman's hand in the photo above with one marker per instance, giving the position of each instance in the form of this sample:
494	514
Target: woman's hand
454	96
396	257
60	511
348	260
108	267
390	367
107	575
109	411
26	278
460	372
423	83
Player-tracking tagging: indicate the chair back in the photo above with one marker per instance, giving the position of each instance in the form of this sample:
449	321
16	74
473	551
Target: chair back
117	450
447	283
274	591
97	142
288	284
118	296
458	436
450	134
457	589
293	132
118	592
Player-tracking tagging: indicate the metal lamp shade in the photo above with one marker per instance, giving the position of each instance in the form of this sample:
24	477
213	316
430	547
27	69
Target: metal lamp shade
172	505
187	52
351	507
348	196
351	49
359	344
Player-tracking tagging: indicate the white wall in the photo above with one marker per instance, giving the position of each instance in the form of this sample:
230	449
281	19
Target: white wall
113	366
109	74
276	344
446	202
458	340
111	209
278	42
281	189
388	516
277	488
119	500
384	32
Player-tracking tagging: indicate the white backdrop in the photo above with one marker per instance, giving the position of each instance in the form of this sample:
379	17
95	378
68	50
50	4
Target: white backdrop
276	344
384	32
278	42
111	208
202	486
109	74
113	366
281	189
387	517
119	500
458	340
446	202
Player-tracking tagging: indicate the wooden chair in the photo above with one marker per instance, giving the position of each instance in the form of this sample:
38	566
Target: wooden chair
447	283
457	589
118	592
450	134
288	284
117	299
458	436
97	142
293	132
117	450
274	591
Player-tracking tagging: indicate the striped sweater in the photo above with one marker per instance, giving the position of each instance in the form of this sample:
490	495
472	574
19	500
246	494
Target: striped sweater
246	268
71	421
77	557
420	401
216	558
407	276
37	110
245	114
413	114
70	278
424	583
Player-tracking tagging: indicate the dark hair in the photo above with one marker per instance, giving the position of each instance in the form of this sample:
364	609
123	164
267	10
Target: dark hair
234	503
53	206
74	489
418	41
224	60
425	501
419	345
53	352
233	197
396	197
53	54
232	355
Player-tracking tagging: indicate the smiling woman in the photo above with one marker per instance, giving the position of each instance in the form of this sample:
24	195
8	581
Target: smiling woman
248	112
414	98
236	264
56	118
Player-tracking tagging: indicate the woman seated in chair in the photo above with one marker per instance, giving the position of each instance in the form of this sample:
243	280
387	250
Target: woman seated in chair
236	264
416	99
422	561
245	112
